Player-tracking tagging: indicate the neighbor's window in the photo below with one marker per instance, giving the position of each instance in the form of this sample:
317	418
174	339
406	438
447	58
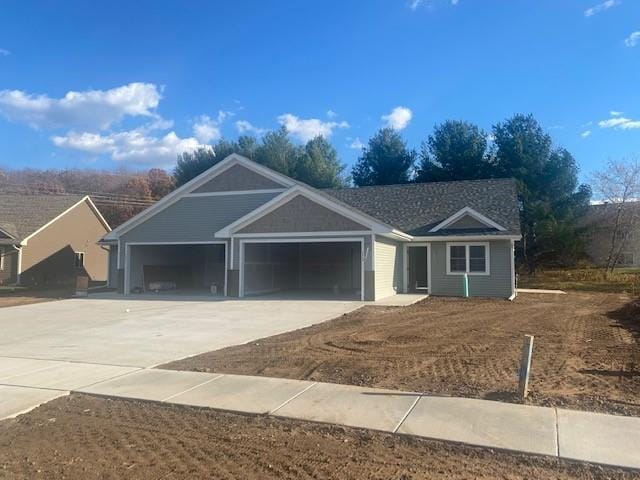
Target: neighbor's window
79	259
471	258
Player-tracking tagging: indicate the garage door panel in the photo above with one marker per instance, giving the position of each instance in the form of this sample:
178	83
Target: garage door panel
302	266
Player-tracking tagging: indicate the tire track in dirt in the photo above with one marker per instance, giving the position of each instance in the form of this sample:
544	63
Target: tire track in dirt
462	347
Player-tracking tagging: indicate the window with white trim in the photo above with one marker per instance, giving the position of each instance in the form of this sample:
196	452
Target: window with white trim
469	258
79	260
2	254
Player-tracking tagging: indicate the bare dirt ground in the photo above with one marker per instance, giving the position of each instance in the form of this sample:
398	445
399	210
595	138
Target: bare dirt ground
26	297
82	437
586	352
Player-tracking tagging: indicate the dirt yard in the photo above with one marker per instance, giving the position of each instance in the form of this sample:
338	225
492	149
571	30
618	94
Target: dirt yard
25	297
82	437
586	353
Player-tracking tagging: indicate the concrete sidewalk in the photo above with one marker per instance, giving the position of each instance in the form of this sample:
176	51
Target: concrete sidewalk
591	437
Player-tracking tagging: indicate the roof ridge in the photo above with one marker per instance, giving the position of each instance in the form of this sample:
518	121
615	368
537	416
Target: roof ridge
416	184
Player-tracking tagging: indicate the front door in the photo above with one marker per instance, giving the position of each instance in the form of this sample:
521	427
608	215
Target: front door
417	265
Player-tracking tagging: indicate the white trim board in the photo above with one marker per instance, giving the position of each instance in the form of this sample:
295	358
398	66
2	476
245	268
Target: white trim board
472	213
244	241
465	238
301	234
235	192
193	184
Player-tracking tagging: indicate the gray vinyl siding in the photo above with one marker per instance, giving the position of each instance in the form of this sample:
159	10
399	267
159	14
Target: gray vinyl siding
388	267
238	178
113	266
194	219
496	284
466	221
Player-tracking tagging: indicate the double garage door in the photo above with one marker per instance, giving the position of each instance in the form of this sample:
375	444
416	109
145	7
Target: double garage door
305	269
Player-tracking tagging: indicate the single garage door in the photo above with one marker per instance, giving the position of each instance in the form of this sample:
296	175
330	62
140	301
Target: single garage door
177	268
303	269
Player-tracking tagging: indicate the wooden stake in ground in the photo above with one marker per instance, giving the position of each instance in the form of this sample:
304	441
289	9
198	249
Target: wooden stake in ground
525	366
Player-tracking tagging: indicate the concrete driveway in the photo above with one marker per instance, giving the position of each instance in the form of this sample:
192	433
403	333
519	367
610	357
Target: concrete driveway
147	332
69	344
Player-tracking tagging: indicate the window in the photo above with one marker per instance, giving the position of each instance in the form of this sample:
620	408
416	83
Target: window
2	258
470	258
458	258
79	261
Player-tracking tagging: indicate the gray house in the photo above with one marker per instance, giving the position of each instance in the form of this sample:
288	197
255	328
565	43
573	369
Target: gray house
248	230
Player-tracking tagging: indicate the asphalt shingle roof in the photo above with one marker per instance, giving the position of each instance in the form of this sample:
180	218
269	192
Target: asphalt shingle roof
21	215
418	207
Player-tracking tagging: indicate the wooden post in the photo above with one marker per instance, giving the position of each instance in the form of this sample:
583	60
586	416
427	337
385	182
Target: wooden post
525	366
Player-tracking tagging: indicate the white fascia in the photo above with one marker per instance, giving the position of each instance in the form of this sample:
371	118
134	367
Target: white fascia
472	213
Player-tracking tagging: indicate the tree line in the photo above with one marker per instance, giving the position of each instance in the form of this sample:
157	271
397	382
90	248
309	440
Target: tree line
119	195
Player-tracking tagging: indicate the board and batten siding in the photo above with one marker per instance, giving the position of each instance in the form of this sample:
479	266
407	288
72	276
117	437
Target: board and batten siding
496	284
194	219
388	267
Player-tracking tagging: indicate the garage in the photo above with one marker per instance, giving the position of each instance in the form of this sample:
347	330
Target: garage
311	269
177	268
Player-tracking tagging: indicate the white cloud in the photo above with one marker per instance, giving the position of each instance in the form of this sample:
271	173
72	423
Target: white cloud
307	129
399	118
244	126
601	7
331	114
585	134
356	144
414	4
454	2
614	113
206	129
4	52
90	109
633	39
619	122
133	146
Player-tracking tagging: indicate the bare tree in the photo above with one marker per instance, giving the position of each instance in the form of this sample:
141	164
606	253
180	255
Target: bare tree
619	186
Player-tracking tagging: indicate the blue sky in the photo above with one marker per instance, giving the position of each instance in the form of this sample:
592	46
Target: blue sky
150	78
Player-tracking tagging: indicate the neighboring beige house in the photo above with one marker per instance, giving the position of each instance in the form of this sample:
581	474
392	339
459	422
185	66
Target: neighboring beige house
599	224
242	229
48	240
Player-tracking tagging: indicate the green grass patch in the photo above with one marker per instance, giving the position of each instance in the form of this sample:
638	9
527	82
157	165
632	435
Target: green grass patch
585	279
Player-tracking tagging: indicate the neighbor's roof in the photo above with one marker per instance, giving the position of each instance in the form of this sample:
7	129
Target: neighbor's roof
604	214
21	215
416	208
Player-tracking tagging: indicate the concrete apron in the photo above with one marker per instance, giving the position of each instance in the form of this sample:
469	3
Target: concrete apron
591	437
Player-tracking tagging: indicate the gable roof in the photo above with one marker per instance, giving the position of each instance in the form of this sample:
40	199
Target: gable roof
23	215
192	185
417	208
315	196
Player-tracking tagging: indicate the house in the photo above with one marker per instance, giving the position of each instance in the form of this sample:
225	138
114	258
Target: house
248	230
48	240
598	224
